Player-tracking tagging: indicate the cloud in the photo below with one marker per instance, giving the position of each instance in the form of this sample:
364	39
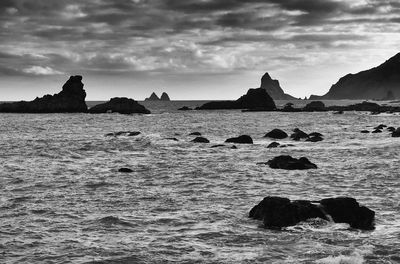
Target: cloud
40	70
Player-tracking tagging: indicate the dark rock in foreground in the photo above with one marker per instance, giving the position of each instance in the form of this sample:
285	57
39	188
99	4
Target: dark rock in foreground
125	170
278	212
276	134
364	131
286	162
243	139
70	100
273	145
298	134
120	105
256	99
396	133
315	139
200	140
195	134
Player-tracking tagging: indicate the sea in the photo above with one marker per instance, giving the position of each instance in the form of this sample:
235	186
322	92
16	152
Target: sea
62	199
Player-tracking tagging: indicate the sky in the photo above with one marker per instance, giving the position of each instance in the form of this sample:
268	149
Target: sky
191	49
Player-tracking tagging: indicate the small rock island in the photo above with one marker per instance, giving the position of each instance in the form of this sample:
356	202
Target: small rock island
154	97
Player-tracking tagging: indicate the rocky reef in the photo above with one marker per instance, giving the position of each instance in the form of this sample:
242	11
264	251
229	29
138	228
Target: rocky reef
70	100
120	105
254	99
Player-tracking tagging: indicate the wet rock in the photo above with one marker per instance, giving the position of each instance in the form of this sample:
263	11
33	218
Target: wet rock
391	129
123	133
287	162
243	139
125	170
233	147
279	212
364	131
273	145
314	139
347	210
120	105
173	139
276	134
185	108
396	133
195	134
377	131
380	127
133	134
298	134
338	112
200	140
218	146
315	134
70	100
315	106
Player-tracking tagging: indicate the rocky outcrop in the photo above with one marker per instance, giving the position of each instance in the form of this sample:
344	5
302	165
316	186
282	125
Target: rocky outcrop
276	134
279	212
298	134
165	97
185	108
120	105
70	100
200	140
153	97
286	162
253	99
382	82
274	89
243	139
315	106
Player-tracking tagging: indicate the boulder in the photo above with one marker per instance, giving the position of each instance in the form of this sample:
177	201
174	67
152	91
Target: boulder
256	99
287	162
218	146
377	131
298	134
273	145
173	139
185	108
314	139
276	134
315	106
396	133
315	134
200	140
165	97
243	139
279	212
364	131
120	105
380	127
391	129
125	170
70	100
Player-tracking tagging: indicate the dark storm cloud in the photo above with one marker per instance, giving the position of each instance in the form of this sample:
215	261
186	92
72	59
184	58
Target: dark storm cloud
140	35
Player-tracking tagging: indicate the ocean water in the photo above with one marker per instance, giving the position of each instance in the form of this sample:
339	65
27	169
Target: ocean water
62	199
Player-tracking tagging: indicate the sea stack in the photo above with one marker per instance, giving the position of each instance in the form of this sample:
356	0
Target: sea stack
274	89
153	97
380	83
70	100
254	99
120	105
165	97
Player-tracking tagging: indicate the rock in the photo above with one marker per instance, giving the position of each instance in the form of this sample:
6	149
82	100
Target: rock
377	131
338	112
165	97
377	82
185	108
298	134
279	212
120	105
256	99
380	127
315	134
391	129
274	89
396	133
288	163
123	133
218	146
243	139
315	106
125	170
347	210
276	134
314	139
195	134
133	134
233	147
153	97
70	100
364	131
200	140
273	145
173	139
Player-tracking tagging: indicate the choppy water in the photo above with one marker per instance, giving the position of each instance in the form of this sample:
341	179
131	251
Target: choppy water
63	201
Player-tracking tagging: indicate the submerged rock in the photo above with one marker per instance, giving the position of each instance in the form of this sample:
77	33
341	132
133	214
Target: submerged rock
279	212
315	139
200	140
364	131
70	100
287	162
273	145
185	108
377	131
276	134
125	170
243	139
120	105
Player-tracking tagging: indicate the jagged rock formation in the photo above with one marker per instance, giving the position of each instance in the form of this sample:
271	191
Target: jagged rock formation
153	97
382	82
278	212
274	89
120	105
164	97
70	100
254	99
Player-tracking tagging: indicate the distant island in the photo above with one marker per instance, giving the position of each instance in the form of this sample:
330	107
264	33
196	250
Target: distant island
154	97
379	83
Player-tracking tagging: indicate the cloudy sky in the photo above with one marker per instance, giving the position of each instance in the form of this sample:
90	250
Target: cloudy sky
192	49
